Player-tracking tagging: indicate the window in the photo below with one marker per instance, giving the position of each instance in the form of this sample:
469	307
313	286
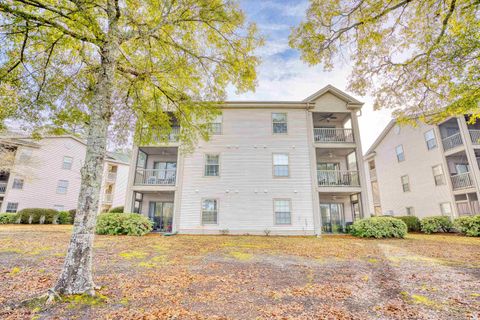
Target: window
212	165
216	126
280	165
400	154
430	139
283	214
25	155
410	211
62	186
446	209
59	207
209	211
12	207
279	123
438	175
405	183
67	163
17	183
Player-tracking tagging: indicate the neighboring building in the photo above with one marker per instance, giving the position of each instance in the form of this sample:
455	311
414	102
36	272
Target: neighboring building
46	174
425	170
288	168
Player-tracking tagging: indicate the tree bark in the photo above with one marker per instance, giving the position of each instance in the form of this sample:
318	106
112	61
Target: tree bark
77	275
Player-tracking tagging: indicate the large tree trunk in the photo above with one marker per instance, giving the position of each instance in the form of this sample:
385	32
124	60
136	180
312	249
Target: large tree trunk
77	275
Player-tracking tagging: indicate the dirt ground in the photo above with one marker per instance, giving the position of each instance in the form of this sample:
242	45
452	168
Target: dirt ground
246	277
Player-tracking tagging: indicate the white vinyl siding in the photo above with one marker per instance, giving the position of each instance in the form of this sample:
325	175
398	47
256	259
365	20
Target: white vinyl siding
62	186
279	123
283	211
280	165
59	207
209	211
212	165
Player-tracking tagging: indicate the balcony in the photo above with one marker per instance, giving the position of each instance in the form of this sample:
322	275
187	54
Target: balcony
333	135
452	141
173	136
107	197
338	178
462	181
155	177
3	187
475	136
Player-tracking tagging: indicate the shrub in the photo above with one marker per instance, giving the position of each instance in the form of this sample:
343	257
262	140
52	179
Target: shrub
8	218
34	215
64	217
412	222
436	224
379	227
131	224
469	226
116	210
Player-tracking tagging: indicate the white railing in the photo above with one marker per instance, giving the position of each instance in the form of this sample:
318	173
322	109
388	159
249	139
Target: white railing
108	197
452	141
461	181
155	177
111	176
340	178
333	135
373	174
3	187
475	136
171	137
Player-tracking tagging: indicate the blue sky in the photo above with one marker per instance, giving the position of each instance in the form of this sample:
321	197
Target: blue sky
283	76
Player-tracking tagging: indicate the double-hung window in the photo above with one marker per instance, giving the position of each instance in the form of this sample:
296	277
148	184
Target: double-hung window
405	183
212	165
209	211
430	139
280	165
400	153
17	183
216	126
67	163
410	211
438	175
283	212
62	186
279	123
12	207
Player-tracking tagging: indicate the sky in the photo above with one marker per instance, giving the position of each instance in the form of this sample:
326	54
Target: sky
283	76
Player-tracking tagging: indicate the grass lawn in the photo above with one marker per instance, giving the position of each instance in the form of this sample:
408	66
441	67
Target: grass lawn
246	277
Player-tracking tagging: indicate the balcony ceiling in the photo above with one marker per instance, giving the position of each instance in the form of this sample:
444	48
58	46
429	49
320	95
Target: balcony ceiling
343	152
160	150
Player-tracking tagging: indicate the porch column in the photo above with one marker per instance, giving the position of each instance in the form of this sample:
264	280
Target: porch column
131	179
360	165
313	172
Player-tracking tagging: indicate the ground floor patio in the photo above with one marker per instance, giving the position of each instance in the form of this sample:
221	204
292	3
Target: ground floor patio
246	277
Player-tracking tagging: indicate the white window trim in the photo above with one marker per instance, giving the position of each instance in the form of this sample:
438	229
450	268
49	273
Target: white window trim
63	163
275	213
205	164
408	183
449	205
434	139
273	165
201	212
286	122
66	188
403	153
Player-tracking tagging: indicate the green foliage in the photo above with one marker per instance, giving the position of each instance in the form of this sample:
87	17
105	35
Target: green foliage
379	227
123	223
64	217
412	222
116	210
34	215
436	224
8	218
468	225
419	57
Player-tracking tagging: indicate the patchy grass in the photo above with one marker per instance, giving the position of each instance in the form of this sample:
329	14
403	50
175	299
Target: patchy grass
245	277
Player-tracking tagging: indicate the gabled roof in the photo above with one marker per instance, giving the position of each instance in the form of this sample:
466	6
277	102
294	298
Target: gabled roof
336	92
379	139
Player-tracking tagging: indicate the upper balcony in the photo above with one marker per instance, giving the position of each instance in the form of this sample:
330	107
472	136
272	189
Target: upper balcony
337	170
156	167
460	171
474	131
450	133
332	128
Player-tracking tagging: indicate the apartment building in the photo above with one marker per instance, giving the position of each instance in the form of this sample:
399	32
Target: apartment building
46	174
425	170
277	167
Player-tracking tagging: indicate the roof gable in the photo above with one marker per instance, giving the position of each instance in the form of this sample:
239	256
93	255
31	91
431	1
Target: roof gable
351	101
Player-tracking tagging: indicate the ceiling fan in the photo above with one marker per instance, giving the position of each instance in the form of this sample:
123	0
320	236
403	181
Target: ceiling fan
328	117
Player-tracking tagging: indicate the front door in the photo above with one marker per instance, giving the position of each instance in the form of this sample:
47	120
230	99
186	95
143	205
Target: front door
161	213
333	218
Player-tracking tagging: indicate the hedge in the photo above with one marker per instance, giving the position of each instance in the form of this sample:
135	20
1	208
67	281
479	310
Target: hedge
469	225
379	227
8	218
114	223
37	215
116	210
436	224
412	222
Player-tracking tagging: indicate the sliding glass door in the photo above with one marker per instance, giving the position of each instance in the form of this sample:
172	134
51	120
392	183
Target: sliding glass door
161	213
333	217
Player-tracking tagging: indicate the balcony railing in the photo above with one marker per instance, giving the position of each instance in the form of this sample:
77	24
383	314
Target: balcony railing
171	137
333	135
338	178
452	141
155	177
108	197
3	187
111	176
475	136
462	181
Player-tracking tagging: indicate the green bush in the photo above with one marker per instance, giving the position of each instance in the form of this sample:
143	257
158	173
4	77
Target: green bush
469	225
436	224
8	218
116	210
412	222
131	224
379	227
64	217
34	215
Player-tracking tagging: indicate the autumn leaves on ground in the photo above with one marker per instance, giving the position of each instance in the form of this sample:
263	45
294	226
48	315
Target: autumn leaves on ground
246	277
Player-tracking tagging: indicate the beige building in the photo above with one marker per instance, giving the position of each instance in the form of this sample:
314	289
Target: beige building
46	174
287	167
425	170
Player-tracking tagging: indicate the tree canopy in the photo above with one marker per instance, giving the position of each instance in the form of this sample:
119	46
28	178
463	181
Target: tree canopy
421	58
